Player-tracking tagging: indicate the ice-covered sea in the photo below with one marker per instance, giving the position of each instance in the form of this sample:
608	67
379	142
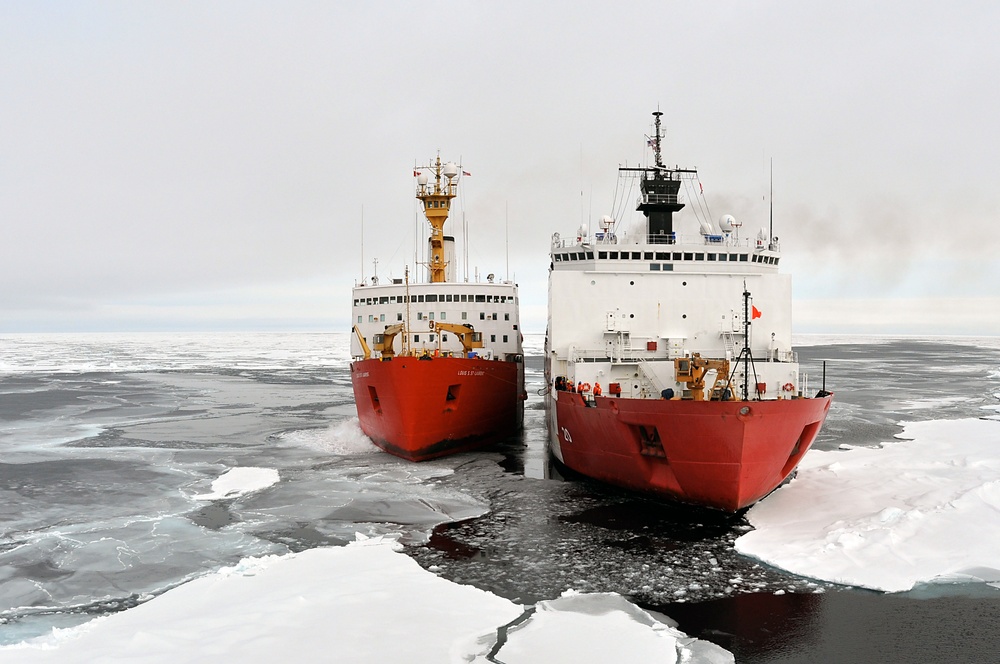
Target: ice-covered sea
211	498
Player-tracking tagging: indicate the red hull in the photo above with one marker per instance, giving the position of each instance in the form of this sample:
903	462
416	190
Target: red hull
706	453
421	409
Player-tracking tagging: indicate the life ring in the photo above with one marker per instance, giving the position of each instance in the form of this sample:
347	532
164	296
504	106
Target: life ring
788	387
430	325
585	387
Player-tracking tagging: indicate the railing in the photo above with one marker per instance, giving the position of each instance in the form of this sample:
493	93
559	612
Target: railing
611	239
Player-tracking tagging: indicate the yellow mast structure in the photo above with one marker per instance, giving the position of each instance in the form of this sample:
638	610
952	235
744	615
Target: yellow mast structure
436	198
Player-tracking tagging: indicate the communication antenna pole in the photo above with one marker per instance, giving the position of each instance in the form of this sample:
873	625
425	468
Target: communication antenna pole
770	239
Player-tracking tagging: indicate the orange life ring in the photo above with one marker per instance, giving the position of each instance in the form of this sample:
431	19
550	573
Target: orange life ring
788	387
585	387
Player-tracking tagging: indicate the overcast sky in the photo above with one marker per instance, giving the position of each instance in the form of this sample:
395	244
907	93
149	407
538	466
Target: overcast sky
208	165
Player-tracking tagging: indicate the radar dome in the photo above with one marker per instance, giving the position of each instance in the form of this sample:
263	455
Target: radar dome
450	170
706	227
727	222
422	179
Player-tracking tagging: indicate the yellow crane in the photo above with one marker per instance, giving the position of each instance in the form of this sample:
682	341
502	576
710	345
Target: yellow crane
692	370
383	342
364	344
466	334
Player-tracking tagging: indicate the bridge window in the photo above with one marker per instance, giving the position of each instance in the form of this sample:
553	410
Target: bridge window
743	258
432	298
677	256
711	257
723	257
480	298
590	255
662	256
602	255
636	255
699	257
647	256
383	300
614	255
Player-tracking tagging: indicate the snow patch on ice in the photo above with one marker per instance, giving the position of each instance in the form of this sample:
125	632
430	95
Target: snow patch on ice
893	517
237	482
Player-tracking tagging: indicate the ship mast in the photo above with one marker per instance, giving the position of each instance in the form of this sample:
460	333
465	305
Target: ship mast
660	186
436	198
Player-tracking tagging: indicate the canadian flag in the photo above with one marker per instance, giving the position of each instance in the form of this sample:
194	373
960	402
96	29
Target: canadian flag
416	173
755	313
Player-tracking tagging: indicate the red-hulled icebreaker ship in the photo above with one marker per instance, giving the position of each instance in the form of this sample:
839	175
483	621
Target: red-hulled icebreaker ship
664	375
438	365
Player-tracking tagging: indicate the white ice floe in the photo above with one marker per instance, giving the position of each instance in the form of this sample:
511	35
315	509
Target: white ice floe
599	628
365	602
911	512
239	481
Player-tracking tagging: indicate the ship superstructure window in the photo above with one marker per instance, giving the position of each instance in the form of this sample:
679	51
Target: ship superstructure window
399	316
482	315
420	298
416	337
430	316
590	255
655	267
699	257
506	316
381	318
432	298
601	255
688	257
662	256
465	315
505	338
710	257
383	300
614	255
359	319
442	315
723	257
743	258
558	257
636	255
420	315
647	256
668	267
677	256
480	298
493	338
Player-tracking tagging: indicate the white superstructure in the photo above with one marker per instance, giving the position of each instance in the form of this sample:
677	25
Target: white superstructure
491	309
621	309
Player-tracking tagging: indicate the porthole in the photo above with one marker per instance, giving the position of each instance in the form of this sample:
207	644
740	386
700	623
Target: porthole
684	283
684	315
631	283
631	315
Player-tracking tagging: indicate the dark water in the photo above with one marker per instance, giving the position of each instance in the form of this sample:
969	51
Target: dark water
104	449
541	538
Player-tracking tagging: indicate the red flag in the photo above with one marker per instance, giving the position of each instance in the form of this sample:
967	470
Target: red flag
755	313
416	173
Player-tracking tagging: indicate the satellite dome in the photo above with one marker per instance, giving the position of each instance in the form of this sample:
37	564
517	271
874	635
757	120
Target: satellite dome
422	179
727	222
450	170
706	227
